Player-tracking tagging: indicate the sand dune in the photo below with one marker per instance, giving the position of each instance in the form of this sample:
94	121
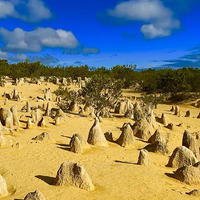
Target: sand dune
113	169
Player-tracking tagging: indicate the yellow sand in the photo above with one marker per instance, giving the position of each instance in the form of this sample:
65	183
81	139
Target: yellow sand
112	169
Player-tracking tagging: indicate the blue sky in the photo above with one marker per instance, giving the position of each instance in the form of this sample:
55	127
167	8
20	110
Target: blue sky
149	33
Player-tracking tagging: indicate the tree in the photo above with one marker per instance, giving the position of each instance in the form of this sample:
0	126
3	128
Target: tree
101	92
172	82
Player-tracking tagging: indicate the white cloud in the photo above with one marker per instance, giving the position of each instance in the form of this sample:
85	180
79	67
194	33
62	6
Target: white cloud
81	50
19	40
36	11
3	55
160	28
140	10
46	59
158	19
6	9
27	10
87	50
17	57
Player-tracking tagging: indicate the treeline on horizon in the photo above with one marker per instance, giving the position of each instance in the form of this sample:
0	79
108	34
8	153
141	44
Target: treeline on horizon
149	80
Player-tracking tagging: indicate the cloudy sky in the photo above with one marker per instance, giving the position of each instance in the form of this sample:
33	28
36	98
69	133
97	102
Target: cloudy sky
149	33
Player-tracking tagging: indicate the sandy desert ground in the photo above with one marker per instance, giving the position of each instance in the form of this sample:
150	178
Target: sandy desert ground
113	169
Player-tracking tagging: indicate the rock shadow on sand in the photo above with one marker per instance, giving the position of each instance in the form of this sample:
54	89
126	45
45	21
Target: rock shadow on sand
125	162
63	146
47	179
66	136
171	175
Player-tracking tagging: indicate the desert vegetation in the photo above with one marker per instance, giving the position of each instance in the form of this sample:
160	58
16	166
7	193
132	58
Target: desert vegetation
173	84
